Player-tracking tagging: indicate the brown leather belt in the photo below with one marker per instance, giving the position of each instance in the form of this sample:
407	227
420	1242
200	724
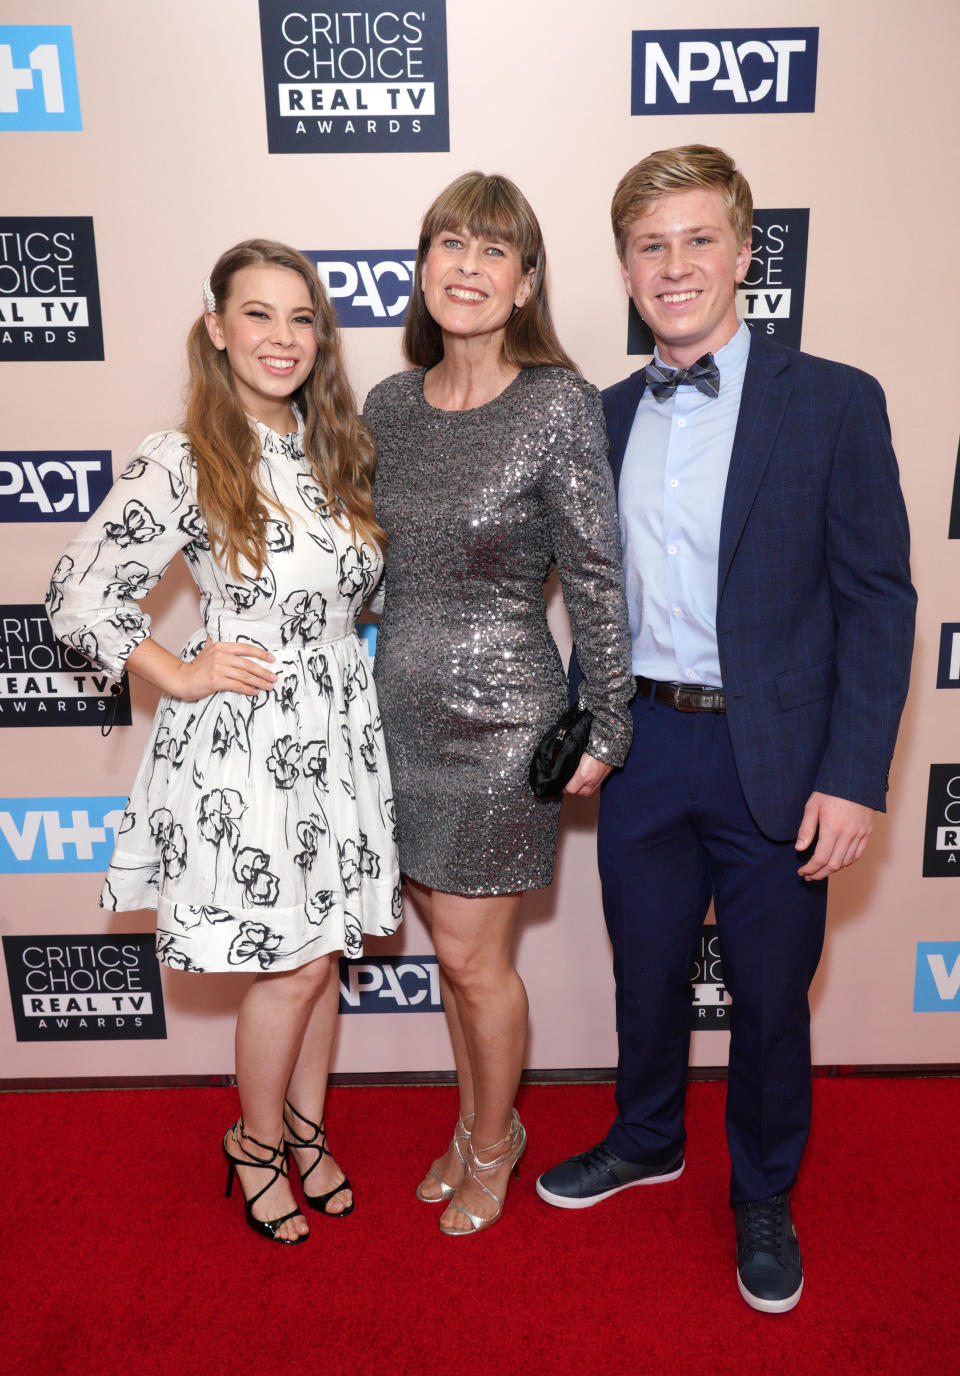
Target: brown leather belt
694	697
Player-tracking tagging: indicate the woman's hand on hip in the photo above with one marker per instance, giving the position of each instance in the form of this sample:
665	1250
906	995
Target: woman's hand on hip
224	666
589	775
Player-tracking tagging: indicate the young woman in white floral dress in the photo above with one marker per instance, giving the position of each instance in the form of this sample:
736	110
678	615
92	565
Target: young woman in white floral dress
261	822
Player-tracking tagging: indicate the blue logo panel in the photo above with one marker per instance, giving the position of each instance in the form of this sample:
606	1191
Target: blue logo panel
44	682
364	77
367	632
53	485
390	984
58	835
937	985
948	668
723	71
38	79
49	289
369	287
78	988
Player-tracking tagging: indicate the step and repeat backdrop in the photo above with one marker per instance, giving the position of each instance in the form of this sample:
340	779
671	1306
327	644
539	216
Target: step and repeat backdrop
139	140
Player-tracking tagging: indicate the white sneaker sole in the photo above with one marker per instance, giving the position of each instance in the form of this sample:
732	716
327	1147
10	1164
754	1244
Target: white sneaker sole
770	1306
561	1201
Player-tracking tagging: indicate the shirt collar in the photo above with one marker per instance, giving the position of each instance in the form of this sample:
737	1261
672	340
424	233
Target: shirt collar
731	358
285	446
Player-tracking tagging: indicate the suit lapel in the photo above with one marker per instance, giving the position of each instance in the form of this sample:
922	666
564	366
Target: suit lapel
620	423
766	391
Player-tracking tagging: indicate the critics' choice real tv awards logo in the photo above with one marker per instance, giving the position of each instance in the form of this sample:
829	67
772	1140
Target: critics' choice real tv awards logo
49	291
770	297
941	842
38	79
84	988
46	683
58	835
711	1002
391	984
723	71
362	78
366	288
57	485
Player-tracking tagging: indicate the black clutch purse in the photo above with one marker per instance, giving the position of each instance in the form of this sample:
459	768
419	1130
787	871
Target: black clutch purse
558	752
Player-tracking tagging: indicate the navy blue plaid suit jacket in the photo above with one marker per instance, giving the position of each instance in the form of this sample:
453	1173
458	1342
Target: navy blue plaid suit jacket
815	609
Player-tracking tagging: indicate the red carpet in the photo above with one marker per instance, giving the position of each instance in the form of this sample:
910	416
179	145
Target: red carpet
121	1255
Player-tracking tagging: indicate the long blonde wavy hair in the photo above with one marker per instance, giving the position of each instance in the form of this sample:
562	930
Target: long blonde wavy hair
225	446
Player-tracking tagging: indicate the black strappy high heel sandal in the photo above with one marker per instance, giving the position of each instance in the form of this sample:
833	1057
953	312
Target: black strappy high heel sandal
317	1141
276	1164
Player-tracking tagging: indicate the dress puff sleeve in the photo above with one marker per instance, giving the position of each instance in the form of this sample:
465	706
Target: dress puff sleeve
581	510
113	561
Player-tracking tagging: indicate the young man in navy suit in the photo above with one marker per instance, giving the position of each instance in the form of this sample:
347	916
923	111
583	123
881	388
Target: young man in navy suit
765	549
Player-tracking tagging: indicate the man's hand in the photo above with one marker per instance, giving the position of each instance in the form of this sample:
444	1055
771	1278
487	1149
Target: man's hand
589	775
844	829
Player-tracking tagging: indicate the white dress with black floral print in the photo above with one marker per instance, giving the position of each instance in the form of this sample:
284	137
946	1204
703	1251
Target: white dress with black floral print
261	828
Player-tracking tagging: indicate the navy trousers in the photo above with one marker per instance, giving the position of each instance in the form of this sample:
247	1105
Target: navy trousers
674	832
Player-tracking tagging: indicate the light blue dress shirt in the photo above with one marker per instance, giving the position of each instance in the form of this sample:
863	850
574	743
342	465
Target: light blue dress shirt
671	497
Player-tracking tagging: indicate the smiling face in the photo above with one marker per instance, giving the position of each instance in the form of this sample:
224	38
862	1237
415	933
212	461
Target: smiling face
681	266
471	284
266	326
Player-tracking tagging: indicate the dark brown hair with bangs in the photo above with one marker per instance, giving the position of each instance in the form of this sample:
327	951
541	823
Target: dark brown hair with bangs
488	208
225	446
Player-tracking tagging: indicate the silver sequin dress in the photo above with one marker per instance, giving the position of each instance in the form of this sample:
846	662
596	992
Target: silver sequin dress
476	505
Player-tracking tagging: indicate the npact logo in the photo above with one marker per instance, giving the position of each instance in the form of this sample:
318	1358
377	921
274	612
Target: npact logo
723	71
38	78
366	288
391	984
937	985
58	835
64	485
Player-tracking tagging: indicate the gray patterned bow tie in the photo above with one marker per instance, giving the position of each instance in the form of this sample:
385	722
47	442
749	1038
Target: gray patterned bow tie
704	375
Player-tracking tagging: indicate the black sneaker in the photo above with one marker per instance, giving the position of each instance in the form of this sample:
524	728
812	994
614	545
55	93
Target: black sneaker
596	1174
769	1271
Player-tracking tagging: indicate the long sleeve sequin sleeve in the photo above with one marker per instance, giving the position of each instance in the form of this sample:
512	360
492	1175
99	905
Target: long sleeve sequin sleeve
579	498
113	561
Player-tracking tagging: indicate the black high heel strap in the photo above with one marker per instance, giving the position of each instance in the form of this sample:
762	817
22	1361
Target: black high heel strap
275	1163
317	1141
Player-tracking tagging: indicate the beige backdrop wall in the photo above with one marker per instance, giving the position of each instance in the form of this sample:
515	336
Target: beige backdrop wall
172	164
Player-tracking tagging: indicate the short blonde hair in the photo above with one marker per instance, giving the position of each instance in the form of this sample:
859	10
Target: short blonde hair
681	169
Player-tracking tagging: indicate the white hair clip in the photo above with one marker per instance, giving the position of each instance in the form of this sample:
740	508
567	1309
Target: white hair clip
209	300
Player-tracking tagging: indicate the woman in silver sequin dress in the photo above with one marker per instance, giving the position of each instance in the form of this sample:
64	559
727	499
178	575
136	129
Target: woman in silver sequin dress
492	462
